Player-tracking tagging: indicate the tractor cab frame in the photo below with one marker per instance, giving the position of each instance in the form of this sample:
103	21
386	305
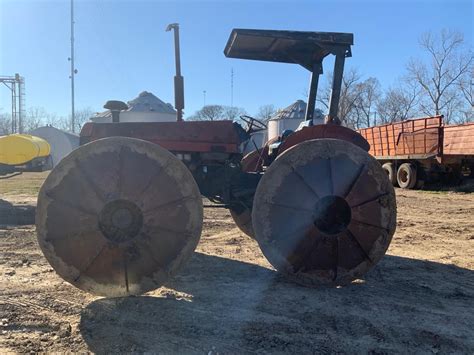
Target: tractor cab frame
307	49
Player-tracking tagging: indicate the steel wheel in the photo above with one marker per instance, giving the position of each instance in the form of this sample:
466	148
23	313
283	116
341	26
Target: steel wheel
243	220
119	216
324	212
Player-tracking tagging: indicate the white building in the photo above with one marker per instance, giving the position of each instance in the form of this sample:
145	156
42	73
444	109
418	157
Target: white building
287	118
144	108
62	143
290	118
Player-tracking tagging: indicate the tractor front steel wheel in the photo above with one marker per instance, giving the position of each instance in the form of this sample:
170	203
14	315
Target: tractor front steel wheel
119	216
324	212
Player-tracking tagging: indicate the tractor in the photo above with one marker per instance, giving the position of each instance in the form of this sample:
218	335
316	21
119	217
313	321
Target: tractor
123	213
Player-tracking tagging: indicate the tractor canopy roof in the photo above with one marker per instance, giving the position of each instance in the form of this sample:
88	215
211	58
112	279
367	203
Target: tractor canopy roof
304	48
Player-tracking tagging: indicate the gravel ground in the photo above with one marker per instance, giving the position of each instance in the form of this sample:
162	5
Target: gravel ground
228	299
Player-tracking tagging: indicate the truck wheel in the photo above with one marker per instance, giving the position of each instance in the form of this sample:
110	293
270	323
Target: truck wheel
406	176
389	168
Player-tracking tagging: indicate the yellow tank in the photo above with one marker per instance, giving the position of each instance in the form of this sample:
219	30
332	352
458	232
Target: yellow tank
19	149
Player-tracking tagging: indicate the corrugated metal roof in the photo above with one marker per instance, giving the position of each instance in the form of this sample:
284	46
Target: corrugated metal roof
296	111
144	102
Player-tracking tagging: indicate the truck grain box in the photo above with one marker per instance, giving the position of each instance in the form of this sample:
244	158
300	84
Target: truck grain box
423	149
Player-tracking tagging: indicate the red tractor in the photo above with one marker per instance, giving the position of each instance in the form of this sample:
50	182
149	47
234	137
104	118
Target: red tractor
122	213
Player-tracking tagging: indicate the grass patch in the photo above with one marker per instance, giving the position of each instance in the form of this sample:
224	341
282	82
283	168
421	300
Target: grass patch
24	184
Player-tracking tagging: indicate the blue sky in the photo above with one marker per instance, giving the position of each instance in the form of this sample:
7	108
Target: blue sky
122	48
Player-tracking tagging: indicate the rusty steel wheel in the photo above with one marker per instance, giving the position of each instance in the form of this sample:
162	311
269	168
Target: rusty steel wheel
324	212
243	220
119	216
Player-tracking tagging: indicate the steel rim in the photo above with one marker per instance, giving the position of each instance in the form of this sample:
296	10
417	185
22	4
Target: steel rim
119	216
324	212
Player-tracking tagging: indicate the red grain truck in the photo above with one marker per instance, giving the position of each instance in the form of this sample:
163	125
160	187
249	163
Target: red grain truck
419	150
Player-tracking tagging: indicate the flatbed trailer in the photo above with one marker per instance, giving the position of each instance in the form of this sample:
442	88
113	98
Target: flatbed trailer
424	149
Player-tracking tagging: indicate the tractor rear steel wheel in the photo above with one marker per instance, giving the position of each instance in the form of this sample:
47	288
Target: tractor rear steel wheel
119	216
252	162
243	220
324	212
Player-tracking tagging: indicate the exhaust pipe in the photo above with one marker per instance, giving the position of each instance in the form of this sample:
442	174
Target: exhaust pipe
178	79
115	107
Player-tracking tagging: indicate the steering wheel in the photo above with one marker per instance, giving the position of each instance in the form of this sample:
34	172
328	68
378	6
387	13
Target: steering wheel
253	122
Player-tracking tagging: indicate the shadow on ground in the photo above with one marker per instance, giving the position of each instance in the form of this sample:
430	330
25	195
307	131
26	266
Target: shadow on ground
227	306
16	215
464	186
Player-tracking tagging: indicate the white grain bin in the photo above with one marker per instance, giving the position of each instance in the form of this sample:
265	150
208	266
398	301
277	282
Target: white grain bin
62	143
256	141
290	118
144	108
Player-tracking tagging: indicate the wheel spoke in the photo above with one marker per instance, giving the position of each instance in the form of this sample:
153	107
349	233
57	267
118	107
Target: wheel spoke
356	179
329	168
120	171
169	203
90	263
370	225
353	237
301	209
336	257
372	199
167	230
69	204
89	181
301	177
125	271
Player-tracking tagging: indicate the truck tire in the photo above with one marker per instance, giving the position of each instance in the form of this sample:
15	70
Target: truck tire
406	176
389	168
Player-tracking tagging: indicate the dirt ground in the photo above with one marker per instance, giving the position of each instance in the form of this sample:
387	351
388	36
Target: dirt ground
419	298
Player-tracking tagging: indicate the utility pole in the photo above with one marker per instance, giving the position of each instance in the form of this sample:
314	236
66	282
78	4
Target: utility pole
73	70
204	97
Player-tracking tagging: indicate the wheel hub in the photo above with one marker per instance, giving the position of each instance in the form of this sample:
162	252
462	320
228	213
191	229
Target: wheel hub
332	215
120	221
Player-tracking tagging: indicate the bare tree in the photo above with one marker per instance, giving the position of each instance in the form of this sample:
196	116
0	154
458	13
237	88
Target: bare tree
38	116
367	93
82	116
349	95
34	118
208	113
438	79
398	103
265	112
233	113
60	122
466	86
5	124
217	112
